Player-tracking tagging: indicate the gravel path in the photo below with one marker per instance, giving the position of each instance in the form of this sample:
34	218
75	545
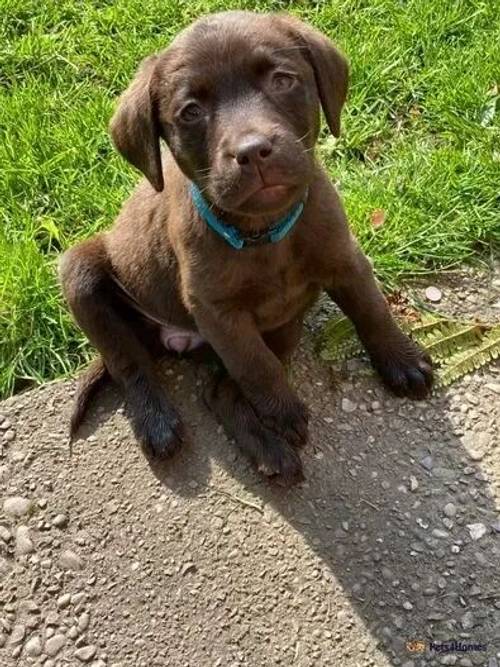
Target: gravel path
107	559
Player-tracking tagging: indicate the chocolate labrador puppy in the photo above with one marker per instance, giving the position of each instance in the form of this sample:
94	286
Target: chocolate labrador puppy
231	238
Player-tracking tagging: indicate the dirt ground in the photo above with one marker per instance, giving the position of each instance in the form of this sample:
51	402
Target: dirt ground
109	559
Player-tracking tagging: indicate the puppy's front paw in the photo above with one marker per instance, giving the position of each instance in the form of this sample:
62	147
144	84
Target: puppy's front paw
286	416
270	453
405	368
155	422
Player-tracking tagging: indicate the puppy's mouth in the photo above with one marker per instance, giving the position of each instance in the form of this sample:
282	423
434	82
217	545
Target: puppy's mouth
268	196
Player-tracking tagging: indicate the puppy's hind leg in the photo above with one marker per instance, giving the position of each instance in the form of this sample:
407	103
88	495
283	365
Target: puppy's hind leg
96	306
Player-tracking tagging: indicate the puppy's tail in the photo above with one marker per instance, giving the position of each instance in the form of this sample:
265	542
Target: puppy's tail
92	379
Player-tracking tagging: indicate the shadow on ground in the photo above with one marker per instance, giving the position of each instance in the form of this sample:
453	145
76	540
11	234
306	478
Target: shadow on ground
395	508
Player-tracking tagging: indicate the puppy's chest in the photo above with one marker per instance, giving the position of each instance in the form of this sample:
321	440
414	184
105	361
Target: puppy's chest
273	295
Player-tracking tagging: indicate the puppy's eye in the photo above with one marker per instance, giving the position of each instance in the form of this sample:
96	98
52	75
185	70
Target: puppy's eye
282	81
191	112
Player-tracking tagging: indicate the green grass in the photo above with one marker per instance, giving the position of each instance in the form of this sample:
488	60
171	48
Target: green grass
421	141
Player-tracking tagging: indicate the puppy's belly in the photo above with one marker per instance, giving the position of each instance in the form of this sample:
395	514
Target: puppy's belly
180	340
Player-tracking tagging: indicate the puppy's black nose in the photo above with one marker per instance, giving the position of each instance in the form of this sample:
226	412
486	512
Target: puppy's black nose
253	149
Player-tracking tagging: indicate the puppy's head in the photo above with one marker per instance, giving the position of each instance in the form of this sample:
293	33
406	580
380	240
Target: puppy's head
237	98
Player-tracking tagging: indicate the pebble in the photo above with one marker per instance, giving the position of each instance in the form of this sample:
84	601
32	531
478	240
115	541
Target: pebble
24	543
477	530
17	635
440	534
5	534
54	644
17	506
33	646
475	455
433	294
188	568
413	483
427	462
69	560
83	621
407	605
9	436
63	601
86	653
60	521
449	659
450	510
467	620
348	405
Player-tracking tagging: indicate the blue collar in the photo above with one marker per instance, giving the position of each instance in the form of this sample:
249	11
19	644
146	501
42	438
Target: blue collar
231	235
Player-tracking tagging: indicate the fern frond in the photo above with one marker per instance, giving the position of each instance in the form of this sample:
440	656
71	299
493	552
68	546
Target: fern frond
469	360
457	347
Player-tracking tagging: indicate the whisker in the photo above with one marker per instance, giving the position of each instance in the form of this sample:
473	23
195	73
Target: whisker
303	136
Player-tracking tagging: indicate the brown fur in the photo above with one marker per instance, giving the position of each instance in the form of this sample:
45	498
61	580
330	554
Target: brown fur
248	304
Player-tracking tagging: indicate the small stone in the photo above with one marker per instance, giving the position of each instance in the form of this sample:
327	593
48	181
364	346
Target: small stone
69	560
348	405
54	644
17	635
467	620
427	462
33	646
433	294
52	618
493	386
64	601
83	621
24	544
407	605
188	568
477	530
76	598
9	436
450	510
440	534
496	526
60	521
413	483
5	534
449	659
86	653
17	506
475	455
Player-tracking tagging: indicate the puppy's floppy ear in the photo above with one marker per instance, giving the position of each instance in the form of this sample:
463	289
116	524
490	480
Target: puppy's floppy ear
135	126
330	68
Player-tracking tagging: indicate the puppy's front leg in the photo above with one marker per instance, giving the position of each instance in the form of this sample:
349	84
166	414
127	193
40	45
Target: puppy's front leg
403	366
257	371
